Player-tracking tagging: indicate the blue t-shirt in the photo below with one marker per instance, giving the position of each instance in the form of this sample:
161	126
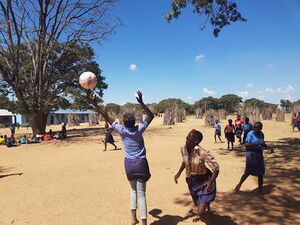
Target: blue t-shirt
132	139
217	126
247	127
254	138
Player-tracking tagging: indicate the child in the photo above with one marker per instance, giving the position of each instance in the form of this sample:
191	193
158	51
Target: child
136	164
254	156
217	127
246	128
229	133
2	140
24	140
238	128
201	181
295	120
108	137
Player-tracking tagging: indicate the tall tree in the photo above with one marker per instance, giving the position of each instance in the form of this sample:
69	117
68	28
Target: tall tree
219	13
43	46
230	102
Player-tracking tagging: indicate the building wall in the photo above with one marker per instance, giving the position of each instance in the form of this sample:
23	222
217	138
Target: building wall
6	120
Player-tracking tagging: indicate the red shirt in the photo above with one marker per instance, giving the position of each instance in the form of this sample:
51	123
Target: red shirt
238	123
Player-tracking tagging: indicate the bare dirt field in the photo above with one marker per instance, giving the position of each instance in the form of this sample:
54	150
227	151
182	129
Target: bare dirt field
73	182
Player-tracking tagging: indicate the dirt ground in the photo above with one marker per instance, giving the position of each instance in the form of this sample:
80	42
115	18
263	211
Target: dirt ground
74	182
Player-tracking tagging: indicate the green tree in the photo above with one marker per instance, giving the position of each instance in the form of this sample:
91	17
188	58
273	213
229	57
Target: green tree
112	107
254	102
172	102
286	104
230	102
219	13
208	103
43	49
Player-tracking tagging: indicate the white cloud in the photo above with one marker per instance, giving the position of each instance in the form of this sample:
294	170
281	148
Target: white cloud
249	85
269	90
189	97
199	57
270	66
288	89
243	94
132	67
289	97
208	92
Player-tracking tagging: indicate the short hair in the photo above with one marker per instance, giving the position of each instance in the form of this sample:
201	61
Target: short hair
128	120
258	125
247	119
230	121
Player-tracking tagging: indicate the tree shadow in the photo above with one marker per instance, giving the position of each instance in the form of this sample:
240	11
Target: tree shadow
12	174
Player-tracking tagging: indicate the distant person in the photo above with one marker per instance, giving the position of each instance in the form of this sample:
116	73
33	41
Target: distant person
2	140
247	127
63	132
238	123
24	140
35	139
200	180
12	130
255	166
295	121
27	125
51	133
108	138
298	123
136	164
218	128
229	133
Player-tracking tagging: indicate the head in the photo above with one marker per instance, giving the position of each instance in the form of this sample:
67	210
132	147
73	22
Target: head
217	121
238	117
246	120
50	131
295	114
194	138
63	124
230	121
257	127
298	113
128	120
1	136
24	136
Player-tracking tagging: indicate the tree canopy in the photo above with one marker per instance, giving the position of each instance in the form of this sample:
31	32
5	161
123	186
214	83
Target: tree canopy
219	13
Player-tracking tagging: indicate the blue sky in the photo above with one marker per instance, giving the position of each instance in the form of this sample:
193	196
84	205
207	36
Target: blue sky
259	58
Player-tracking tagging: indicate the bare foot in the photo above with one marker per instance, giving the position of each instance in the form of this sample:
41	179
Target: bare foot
134	222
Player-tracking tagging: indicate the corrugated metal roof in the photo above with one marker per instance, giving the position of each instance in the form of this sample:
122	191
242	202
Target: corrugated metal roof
4	112
71	111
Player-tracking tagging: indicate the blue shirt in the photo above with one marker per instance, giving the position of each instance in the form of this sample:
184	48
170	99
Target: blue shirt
254	138
132	139
217	126
247	127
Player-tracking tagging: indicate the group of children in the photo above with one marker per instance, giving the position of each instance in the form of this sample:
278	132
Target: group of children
231	130
50	135
200	179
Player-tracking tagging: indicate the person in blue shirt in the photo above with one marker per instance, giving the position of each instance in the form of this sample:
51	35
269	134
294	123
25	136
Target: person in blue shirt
217	127
136	164
246	128
255	166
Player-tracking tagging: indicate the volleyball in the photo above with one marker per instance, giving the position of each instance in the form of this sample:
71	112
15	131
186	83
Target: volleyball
88	80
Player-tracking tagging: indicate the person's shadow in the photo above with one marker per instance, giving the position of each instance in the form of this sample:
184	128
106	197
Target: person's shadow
211	219
168	219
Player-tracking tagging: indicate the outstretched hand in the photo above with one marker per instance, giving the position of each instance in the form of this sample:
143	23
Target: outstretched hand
139	97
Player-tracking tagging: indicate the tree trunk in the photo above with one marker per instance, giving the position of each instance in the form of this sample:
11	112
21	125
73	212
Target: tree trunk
38	122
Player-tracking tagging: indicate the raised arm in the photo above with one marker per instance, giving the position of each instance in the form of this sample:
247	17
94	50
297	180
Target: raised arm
150	115
101	110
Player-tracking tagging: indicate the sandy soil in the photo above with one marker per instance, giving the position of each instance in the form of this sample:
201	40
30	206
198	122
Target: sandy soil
74	182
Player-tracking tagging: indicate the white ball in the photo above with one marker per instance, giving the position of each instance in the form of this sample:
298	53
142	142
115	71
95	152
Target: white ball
88	80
